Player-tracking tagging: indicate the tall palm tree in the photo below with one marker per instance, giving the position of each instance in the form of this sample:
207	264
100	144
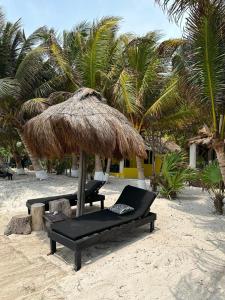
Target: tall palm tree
205	30
86	54
145	90
25	72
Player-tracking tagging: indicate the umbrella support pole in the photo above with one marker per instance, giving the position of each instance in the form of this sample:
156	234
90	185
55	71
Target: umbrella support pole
81	184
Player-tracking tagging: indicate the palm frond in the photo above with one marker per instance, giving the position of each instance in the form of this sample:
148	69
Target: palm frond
149	76
177	118
125	93
168	98
55	83
9	88
29	42
9	47
97	54
204	30
177	8
29	69
62	61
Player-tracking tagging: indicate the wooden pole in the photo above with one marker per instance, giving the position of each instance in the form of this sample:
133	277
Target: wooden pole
81	184
37	213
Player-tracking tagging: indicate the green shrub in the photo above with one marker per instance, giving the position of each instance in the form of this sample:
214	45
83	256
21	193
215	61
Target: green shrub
174	174
212	181
61	166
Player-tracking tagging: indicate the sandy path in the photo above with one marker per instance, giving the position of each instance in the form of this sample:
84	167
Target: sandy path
183	259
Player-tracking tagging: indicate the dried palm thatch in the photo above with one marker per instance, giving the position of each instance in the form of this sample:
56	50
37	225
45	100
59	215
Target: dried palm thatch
204	137
162	146
84	122
36	106
33	107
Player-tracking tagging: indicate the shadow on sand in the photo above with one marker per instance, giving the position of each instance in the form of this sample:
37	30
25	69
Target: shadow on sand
208	266
95	252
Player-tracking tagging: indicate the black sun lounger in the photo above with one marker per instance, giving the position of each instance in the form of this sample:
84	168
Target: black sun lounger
91	195
81	232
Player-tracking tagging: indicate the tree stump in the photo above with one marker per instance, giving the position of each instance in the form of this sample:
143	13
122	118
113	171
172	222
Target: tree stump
37	213
61	205
20	224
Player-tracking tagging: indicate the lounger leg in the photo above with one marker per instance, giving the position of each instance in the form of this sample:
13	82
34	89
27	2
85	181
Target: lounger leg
28	210
102	204
77	260
152	226
52	246
91	204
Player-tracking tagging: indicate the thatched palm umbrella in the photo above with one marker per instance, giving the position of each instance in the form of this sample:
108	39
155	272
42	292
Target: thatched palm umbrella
83	124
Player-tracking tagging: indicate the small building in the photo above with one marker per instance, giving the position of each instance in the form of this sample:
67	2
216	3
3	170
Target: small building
127	168
200	150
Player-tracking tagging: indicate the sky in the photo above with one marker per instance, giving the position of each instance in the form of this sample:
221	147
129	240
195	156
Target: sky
139	16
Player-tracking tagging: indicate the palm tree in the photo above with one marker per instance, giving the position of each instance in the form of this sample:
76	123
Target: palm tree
86	56
145	90
25	73
205	31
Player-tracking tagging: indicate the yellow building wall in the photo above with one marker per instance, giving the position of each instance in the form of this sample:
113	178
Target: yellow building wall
132	172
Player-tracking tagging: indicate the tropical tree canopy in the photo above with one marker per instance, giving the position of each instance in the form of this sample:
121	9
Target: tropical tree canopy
205	57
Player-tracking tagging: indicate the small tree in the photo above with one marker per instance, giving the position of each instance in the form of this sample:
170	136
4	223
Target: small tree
212	180
174	174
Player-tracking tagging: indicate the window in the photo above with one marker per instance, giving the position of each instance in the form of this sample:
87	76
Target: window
149	158
126	163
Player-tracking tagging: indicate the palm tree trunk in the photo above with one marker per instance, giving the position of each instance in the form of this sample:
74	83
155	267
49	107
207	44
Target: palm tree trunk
19	168
39	171
99	175
141	175
74	169
218	146
107	171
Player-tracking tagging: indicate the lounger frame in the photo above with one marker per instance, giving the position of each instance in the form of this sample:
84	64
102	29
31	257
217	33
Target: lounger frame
92	197
78	245
73	202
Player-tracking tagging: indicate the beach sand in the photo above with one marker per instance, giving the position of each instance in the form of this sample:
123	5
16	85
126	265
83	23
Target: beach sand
184	258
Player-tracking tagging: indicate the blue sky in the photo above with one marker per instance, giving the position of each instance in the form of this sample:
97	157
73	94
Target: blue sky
139	16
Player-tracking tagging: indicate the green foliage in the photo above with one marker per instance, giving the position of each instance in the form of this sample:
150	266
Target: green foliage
205	33
174	174
146	89
4	152
60	166
212	180
25	70
211	176
85	54
134	73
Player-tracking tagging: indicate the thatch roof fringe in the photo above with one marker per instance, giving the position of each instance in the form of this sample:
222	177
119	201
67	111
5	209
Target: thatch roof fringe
204	137
85	122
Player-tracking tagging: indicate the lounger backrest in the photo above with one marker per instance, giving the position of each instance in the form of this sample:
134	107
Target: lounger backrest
93	186
139	199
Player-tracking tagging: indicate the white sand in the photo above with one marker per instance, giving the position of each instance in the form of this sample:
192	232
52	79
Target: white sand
183	259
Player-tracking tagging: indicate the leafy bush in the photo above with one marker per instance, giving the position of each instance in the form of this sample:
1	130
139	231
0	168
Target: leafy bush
212	181
61	166
174	174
